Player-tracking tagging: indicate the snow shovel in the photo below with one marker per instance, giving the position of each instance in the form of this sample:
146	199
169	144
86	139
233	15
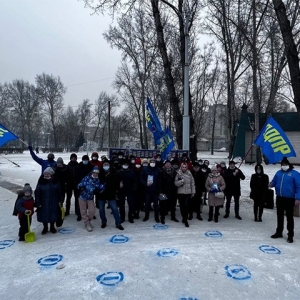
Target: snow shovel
62	211
30	235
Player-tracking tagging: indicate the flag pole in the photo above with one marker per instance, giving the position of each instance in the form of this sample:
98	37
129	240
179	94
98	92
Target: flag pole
245	155
11	161
23	142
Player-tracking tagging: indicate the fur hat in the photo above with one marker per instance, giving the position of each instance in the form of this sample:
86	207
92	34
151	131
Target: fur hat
49	170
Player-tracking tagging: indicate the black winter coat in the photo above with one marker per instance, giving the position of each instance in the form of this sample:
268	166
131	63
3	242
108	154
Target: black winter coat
61	175
128	178
166	183
144	176
72	174
83	170
259	184
47	195
233	182
110	179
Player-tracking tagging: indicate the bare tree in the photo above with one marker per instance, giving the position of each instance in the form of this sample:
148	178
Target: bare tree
50	91
24	104
84	114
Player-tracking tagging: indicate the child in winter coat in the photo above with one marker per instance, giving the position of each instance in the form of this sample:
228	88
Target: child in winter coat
25	205
87	188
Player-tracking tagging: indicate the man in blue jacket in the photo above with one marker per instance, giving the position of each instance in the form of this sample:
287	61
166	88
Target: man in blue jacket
287	186
45	163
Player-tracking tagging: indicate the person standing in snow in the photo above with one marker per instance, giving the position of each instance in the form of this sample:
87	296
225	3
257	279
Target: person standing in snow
259	185
45	163
48	198
287	186
88	187
25	205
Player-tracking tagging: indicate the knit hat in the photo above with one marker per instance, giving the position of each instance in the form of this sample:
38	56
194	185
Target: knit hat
103	157
50	155
27	188
196	164
95	154
152	159
60	161
49	170
105	161
144	160
95	170
285	161
73	155
138	161
213	168
85	157
232	162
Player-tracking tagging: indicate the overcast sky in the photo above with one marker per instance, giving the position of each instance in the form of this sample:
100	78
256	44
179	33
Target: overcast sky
58	37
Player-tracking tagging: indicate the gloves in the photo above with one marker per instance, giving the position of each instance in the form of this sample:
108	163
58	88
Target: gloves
30	148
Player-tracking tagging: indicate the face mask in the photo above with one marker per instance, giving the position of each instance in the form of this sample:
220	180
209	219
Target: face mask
137	166
120	157
125	167
95	175
145	165
105	168
132	161
158	159
85	162
203	170
94	157
284	168
222	165
152	165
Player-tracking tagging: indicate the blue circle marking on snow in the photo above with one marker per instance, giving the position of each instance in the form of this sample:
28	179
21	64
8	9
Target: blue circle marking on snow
6	243
213	233
188	298
269	249
160	226
66	230
168	252
119	239
50	260
238	272
110	278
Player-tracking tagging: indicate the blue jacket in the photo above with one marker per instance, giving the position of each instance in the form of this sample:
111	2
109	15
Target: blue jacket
45	163
287	184
88	185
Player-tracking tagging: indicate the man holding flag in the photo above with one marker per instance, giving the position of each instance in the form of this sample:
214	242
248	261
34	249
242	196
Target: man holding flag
276	147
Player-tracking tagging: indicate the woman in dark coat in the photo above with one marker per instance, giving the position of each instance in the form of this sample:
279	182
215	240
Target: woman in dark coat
47	199
259	185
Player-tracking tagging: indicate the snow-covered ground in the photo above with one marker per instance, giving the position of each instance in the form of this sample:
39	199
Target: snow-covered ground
231	259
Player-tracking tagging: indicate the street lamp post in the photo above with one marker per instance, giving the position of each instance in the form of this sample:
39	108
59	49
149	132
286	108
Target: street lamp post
87	143
48	145
186	117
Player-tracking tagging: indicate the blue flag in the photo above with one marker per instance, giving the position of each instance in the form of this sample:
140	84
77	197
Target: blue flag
6	135
153	122
166	144
274	142
162	138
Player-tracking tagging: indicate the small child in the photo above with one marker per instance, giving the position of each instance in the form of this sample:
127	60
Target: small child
25	204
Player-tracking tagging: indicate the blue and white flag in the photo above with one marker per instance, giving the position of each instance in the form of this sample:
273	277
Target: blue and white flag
166	144
163	139
153	122
274	142
6	135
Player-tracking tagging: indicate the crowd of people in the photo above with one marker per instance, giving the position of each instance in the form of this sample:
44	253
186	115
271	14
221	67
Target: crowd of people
150	185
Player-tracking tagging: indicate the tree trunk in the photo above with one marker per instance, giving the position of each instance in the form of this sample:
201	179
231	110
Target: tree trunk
290	48
174	101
